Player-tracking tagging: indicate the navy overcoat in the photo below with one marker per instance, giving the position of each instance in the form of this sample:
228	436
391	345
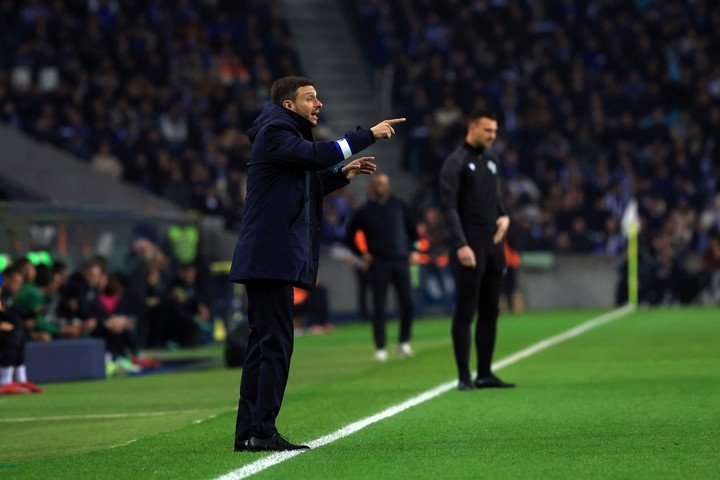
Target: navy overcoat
288	175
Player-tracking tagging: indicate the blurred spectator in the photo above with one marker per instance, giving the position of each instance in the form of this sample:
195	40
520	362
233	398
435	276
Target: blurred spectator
79	302
511	299
122	83
436	282
144	287
390	233
362	276
104	161
601	102
31	302
710	282
183	315
13	336
118	321
312	305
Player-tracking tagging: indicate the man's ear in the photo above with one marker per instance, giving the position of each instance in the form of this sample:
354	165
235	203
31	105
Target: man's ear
289	105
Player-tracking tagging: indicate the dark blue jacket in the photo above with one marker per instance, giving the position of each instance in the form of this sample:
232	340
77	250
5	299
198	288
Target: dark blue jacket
389	229
288	175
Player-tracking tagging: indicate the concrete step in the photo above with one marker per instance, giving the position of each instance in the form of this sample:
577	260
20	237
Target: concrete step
330	55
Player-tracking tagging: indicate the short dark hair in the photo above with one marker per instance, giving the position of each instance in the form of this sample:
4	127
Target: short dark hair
59	267
21	261
10	271
44	276
478	114
285	88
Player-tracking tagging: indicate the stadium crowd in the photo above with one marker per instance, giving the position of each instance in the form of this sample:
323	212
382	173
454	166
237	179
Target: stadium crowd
156	93
154	302
599	102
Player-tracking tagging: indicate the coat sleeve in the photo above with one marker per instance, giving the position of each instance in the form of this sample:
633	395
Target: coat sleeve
286	147
332	179
502	210
449	194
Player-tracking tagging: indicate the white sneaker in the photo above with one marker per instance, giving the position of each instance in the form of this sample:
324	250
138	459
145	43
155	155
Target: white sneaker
381	355
405	350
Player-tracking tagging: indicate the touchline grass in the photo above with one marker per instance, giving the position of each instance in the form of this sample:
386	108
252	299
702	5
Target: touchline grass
635	398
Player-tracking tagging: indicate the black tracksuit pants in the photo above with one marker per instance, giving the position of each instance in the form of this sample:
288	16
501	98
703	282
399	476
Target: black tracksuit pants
477	289
382	273
267	362
12	346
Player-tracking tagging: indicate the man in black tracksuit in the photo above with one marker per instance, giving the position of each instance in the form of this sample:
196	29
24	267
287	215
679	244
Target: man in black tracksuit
477	223
278	245
390	234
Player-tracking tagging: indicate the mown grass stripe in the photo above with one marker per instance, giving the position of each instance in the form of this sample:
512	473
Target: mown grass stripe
276	458
101	416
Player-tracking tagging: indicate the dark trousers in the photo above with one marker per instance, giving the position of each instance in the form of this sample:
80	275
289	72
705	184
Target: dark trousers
477	289
12	347
119	344
363	283
267	363
382	273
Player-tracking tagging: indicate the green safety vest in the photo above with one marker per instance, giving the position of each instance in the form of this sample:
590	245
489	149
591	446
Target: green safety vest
184	240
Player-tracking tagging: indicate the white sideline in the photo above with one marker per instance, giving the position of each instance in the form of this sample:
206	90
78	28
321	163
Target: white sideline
276	458
101	416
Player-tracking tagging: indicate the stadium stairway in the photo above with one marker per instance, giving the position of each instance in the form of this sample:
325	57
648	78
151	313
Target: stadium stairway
332	58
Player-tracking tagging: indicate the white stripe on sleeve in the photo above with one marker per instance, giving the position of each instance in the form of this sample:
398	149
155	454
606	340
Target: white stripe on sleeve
345	147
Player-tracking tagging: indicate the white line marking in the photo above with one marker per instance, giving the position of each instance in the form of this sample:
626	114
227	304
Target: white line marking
100	416
195	422
276	458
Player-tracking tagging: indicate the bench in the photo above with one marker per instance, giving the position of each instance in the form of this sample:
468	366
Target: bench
65	360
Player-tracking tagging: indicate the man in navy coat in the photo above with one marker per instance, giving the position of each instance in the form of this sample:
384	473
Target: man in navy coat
278	247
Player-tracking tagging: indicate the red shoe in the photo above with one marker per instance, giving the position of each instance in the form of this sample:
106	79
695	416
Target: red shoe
146	362
31	387
13	388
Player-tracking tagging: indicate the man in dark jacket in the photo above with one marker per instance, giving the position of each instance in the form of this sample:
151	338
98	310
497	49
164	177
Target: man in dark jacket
390	234
477	223
278	248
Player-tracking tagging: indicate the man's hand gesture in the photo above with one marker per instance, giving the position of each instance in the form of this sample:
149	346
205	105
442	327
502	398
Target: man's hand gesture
364	166
385	128
466	257
502	224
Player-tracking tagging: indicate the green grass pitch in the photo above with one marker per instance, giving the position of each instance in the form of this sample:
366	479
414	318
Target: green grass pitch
636	398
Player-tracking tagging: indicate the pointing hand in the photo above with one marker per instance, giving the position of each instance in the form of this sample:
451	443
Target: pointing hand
385	128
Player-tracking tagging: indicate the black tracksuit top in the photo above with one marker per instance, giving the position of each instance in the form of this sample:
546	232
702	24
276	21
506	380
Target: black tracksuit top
388	227
469	196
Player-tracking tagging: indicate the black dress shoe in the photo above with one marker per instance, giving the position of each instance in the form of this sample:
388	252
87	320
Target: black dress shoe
465	385
276	443
241	446
491	381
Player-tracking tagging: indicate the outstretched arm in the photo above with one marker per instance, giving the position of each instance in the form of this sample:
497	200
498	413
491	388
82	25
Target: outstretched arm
287	148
